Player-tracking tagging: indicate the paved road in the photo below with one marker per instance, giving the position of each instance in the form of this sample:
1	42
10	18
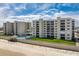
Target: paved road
33	50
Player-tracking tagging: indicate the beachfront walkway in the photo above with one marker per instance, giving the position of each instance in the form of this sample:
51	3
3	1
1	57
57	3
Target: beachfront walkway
31	50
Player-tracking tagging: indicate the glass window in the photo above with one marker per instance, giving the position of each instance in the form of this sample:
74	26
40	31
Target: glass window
68	34
62	20
68	19
68	25
68	37
62	35
68	28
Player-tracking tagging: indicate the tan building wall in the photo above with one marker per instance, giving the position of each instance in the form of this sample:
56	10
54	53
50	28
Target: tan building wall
17	27
8	28
21	28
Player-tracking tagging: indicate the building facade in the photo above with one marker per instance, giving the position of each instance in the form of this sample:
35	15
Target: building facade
8	28
43	28
60	28
17	28
64	28
22	28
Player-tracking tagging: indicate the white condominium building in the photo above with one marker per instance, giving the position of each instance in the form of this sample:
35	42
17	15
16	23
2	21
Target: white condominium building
60	28
64	28
8	28
43	28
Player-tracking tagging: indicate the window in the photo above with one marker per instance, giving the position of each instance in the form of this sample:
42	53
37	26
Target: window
68	25
55	25
62	35
55	28
68	19
56	34
33	33
62	28
73	22
44	26
33	23
62	23
68	37
62	20
52	28
68	28
55	20
68	34
55	31
52	23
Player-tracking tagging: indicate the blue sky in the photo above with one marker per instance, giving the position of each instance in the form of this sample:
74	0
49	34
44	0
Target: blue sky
37	8
33	9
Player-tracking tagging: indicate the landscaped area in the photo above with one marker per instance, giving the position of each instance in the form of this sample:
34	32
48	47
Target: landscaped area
43	40
5	37
54	41
2	36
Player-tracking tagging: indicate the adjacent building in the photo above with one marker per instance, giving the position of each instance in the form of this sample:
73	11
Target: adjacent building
17	28
64	28
8	28
22	28
60	28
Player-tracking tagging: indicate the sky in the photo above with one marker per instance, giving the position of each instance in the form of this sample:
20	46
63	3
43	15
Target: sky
16	11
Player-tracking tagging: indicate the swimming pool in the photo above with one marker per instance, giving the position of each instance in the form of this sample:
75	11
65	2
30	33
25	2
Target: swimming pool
23	37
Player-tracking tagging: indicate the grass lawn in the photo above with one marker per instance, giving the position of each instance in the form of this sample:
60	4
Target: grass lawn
55	41
43	40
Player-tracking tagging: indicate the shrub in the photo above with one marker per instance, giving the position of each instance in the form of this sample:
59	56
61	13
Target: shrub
12	39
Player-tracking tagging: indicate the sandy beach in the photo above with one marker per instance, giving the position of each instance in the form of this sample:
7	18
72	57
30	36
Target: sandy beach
21	49
4	52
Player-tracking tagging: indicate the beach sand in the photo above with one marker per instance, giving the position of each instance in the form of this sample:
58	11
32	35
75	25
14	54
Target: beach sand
4	52
21	49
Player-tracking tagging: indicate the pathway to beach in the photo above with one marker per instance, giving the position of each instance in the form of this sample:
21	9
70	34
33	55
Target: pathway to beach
20	49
